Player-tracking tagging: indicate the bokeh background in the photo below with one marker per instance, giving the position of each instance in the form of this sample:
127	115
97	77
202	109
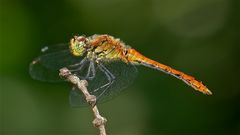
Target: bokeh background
199	37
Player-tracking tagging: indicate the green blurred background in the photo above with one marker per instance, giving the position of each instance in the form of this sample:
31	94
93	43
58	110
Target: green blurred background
199	37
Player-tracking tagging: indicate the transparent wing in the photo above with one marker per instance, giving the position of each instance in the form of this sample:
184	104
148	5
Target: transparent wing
124	73
52	58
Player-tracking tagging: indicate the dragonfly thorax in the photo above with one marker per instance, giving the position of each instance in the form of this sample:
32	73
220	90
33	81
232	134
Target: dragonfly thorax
92	56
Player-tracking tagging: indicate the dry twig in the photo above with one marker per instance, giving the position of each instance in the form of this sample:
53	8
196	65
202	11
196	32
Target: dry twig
99	121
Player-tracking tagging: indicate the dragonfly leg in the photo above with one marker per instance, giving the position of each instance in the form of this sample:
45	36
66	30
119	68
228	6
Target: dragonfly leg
78	64
78	67
91	71
81	65
109	76
104	69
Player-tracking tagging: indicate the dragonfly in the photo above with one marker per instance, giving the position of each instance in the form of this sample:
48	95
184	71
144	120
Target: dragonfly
107	63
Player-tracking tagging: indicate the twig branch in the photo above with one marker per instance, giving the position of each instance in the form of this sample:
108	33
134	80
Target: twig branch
99	121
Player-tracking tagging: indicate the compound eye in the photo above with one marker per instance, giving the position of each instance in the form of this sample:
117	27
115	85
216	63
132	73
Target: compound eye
81	39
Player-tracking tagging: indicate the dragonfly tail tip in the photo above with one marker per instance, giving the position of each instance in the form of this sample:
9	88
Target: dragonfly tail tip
208	92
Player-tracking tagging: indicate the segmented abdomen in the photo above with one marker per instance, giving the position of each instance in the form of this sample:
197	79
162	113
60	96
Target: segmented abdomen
137	58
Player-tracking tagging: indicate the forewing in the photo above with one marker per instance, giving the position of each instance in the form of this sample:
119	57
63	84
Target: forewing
46	66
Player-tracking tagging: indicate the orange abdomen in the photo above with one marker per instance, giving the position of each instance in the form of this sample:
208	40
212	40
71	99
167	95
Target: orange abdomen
136	58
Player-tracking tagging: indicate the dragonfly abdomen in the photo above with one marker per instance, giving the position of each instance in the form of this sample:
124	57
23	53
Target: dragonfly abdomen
137	58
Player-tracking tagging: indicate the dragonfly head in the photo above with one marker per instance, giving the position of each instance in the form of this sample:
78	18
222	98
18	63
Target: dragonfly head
78	45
